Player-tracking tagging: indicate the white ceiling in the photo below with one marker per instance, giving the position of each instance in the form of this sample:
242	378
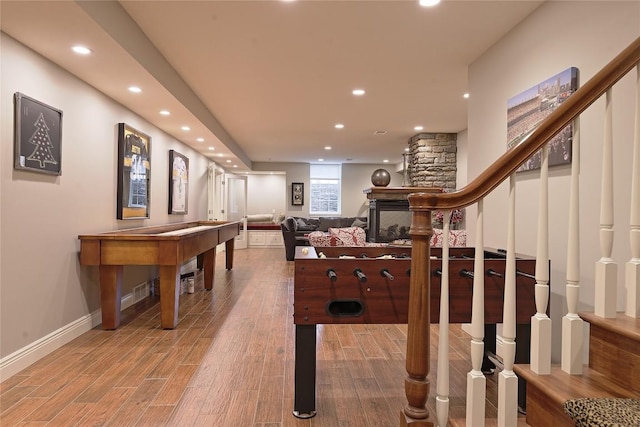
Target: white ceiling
267	80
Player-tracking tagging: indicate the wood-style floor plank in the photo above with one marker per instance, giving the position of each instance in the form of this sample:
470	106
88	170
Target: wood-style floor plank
229	362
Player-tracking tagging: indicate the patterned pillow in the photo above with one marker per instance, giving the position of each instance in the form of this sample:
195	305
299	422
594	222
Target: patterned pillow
349	236
457	238
319	238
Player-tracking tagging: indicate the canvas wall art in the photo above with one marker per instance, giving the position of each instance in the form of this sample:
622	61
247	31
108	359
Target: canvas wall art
528	109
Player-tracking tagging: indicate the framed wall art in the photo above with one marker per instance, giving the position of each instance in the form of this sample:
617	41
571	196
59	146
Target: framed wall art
297	193
38	136
178	183
528	109
134	173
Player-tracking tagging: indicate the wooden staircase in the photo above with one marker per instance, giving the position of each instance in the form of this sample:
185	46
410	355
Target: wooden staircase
613	371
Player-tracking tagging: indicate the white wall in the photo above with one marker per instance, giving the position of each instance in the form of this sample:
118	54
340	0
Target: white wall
42	285
355	178
558	35
266	194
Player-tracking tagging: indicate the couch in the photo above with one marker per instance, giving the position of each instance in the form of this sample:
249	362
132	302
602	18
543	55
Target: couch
295	230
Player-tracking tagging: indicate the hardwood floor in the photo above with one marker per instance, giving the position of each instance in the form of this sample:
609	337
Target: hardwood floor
229	362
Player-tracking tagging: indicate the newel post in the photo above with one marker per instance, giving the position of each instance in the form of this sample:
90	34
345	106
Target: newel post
416	384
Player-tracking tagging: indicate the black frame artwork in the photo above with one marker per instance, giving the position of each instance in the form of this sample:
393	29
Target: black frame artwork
297	193
178	183
134	173
38	136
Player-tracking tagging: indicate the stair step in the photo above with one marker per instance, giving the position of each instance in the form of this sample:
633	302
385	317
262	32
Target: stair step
546	394
614	348
613	371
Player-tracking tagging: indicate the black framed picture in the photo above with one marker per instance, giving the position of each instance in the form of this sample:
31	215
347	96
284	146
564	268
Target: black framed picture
178	183
134	173
297	193
38	136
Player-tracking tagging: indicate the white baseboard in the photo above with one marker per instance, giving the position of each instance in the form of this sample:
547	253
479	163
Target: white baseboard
26	356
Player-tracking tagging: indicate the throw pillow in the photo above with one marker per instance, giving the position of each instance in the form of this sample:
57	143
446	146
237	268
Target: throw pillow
349	236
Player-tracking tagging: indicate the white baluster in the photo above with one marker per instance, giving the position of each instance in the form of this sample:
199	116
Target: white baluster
476	381
507	379
606	279
442	387
632	273
572	324
540	322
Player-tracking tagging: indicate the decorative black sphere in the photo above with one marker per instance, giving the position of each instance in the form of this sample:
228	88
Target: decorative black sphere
380	178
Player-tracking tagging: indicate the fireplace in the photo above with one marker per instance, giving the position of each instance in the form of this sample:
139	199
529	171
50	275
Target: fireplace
389	220
389	214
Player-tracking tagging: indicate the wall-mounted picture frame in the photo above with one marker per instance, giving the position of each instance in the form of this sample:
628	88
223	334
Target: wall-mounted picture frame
38	136
134	173
178	183
297	193
529	108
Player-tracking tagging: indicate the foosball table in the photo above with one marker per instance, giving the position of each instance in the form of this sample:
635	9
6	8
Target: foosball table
370	285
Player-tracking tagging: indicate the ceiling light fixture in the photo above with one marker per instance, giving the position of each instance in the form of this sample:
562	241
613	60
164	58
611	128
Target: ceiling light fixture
165	113
429	3
200	139
339	126
321	160
135	89
212	148
385	161
358	92
465	96
418	128
81	50
228	160
327	148
185	128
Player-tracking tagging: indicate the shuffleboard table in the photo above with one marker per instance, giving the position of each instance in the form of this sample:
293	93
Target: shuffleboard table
167	246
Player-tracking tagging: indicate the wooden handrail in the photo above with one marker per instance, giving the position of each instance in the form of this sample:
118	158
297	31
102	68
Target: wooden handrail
421	204
511	160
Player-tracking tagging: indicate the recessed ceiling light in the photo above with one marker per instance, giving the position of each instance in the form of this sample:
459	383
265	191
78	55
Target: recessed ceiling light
135	89
321	160
327	148
185	128
465	96
220	155
235	166
165	113
339	126
385	161
429	3
200	139
406	149
212	148
228	160
81	50
418	128
358	92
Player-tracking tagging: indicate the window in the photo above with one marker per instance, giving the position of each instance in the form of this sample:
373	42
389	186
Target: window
325	189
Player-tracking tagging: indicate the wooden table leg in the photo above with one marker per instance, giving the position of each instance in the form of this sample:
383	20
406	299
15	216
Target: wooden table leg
209	266
110	295
228	247
169	295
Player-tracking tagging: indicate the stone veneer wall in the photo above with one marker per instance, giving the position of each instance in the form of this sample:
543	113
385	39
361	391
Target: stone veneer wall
433	160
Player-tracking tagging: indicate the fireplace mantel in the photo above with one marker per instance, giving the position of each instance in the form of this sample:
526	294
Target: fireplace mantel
396	193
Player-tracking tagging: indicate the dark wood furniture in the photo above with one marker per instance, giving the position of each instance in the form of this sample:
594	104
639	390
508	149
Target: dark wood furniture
367	289
167	246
